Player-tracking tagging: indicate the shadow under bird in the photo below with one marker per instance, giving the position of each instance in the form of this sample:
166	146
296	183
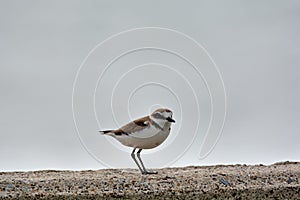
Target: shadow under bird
144	133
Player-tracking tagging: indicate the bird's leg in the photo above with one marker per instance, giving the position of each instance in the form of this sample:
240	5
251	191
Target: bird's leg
145	170
136	162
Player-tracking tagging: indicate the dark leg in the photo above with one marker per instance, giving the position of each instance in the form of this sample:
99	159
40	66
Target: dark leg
136	162
143	166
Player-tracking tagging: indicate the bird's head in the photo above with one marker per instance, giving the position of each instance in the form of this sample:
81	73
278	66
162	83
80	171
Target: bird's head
162	115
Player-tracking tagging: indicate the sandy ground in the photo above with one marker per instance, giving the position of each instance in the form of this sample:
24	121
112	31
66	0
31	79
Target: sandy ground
278	181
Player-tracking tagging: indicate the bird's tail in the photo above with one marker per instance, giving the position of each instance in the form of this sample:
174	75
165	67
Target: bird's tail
105	132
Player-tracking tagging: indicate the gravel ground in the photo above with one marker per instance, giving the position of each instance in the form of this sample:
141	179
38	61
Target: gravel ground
277	181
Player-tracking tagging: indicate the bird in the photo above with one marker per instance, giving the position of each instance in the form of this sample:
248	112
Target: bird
144	133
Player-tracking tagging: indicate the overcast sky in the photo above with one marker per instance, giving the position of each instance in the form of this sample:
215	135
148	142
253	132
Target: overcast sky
255	45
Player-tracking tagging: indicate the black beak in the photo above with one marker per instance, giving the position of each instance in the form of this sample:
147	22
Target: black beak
170	119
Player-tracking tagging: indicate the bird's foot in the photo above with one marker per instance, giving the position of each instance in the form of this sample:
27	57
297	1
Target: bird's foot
149	172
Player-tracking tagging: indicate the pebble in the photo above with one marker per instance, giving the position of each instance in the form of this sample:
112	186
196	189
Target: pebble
289	180
224	182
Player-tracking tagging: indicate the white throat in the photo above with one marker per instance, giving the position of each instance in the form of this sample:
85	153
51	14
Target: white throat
158	123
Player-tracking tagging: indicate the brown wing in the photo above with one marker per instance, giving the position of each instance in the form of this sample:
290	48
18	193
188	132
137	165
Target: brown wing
133	126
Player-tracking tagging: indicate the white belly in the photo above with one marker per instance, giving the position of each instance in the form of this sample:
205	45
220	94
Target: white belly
146	139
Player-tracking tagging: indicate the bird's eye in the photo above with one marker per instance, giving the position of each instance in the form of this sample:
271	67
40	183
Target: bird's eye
157	115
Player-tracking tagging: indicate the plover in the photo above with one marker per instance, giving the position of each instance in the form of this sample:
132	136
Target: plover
144	133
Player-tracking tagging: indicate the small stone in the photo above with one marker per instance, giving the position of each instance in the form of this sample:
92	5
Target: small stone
24	188
289	181
224	182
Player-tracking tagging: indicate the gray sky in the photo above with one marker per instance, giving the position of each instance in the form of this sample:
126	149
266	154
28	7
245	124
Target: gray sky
254	43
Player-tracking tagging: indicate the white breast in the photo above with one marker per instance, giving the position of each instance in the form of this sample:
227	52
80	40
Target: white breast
147	138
